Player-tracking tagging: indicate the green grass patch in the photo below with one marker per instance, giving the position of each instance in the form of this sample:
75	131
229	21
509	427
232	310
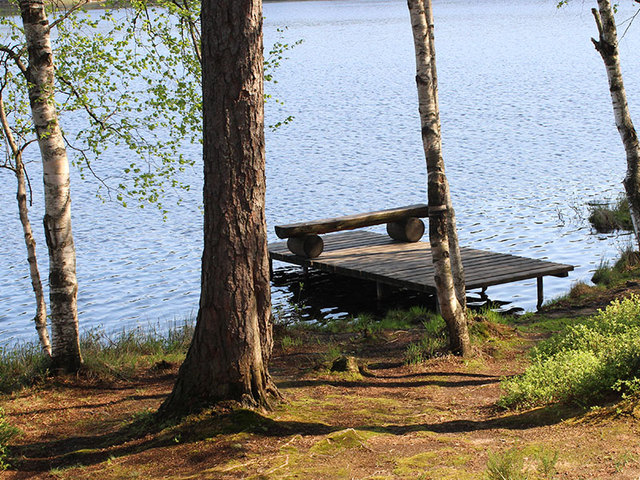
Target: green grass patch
522	464
105	356
22	365
119	355
287	342
539	323
434	342
370	326
339	441
625	268
585	362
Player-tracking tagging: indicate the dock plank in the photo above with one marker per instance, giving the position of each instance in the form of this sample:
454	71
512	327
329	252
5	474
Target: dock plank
373	256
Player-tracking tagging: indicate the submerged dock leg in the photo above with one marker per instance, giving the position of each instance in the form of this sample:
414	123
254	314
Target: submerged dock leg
540	293
483	293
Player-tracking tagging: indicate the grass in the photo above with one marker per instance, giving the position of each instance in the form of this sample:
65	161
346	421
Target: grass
287	342
625	268
371	326
118	356
606	218
105	357
434	342
510	464
22	365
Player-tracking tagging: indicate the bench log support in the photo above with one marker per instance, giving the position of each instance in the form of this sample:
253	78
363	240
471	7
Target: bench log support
408	230
403	224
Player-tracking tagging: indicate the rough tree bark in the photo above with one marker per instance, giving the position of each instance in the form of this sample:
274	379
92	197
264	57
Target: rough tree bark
21	196
232	342
441	219
607	46
63	287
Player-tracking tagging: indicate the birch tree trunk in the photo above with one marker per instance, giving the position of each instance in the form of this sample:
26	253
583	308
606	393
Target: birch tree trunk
607	46
232	342
63	287
23	209
441	219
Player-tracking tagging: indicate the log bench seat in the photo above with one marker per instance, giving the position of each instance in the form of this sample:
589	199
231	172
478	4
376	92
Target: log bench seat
403	224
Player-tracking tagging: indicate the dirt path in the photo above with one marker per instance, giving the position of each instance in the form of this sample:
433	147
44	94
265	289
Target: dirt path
433	421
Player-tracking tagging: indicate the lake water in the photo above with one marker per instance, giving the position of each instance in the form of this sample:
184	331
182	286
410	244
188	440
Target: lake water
528	137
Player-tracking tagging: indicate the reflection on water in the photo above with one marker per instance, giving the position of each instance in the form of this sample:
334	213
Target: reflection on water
320	296
528	135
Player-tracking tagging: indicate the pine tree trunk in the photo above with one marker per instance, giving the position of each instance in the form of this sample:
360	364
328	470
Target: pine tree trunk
441	217
607	46
63	287
23	209
232	342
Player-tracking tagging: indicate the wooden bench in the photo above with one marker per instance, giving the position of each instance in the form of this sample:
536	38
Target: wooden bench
403	224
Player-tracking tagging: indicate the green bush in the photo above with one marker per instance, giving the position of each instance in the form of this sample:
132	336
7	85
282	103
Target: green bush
583	363
7	432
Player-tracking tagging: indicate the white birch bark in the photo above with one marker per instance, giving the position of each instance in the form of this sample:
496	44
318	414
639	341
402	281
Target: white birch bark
41	306
440	210
607	46
63	286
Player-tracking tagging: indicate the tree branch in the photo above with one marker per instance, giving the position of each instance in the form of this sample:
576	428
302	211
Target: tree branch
77	6
596	16
87	163
15	56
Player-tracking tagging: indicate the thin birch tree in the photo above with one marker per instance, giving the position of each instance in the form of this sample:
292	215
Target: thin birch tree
442	234
607	46
63	286
14	162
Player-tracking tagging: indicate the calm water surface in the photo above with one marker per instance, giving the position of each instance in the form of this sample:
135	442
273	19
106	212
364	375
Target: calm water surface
528	139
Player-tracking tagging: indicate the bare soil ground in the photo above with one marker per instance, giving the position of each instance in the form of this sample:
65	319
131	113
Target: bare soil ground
437	420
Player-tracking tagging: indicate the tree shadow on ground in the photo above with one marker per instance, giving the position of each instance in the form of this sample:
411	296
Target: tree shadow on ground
540	417
90	406
147	433
384	384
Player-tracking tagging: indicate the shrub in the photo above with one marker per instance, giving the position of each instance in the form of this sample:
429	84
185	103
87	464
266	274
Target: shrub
7	432
584	362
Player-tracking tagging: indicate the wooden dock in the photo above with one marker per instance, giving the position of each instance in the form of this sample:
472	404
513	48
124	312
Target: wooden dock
377	257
